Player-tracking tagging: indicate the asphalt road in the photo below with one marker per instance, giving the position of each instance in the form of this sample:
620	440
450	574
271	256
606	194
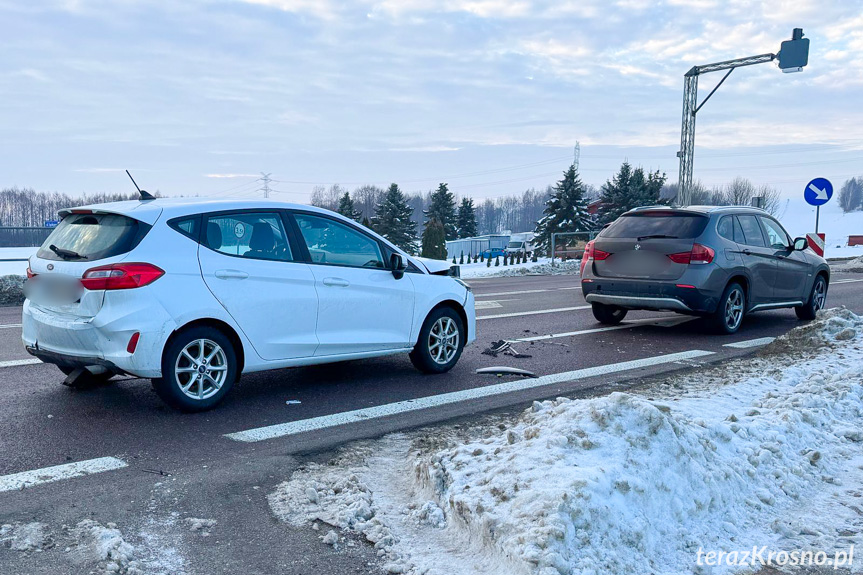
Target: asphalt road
206	474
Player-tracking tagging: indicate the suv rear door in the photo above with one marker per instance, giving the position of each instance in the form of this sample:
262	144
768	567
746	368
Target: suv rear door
758	259
639	244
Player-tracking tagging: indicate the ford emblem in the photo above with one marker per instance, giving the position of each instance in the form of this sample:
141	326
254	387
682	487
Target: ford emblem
638	246
50	267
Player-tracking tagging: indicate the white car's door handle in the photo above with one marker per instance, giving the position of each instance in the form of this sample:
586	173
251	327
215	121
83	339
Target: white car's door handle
336	282
230	274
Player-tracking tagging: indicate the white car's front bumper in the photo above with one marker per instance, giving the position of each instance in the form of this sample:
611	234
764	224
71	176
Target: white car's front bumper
101	340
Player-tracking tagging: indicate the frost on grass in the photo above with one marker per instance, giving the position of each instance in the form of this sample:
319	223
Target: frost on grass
620	483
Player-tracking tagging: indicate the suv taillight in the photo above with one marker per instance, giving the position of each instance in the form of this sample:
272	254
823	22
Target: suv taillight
698	255
121	276
30	273
591	253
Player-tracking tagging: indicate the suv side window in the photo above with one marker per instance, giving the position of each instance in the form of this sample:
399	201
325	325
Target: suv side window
752	235
333	243
776	236
725	227
255	235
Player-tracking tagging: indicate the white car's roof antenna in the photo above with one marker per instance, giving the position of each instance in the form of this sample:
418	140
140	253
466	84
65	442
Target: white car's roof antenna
144	194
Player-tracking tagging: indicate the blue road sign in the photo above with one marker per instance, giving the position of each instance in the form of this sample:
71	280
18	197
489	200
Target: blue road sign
818	192
52	223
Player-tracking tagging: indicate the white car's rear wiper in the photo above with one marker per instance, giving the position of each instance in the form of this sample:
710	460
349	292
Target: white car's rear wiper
657	237
66	254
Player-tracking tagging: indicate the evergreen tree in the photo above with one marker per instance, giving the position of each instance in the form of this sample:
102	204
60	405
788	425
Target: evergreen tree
367	223
442	208
346	207
466	223
488	263
497	261
434	241
461	259
393	220
565	211
630	188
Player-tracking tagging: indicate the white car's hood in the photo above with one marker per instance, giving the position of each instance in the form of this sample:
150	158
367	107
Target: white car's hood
434	266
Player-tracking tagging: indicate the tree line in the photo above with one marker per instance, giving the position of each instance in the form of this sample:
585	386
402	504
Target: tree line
25	207
851	195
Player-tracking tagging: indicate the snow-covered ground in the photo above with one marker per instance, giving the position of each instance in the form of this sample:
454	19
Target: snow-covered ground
540	267
763	452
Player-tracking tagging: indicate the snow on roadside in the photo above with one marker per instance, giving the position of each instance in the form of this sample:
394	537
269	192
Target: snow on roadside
541	267
854	266
624	483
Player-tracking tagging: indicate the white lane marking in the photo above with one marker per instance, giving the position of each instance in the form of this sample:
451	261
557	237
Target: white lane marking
26	479
537	312
9	325
487	304
663	321
346	417
750	343
846	281
479	295
17	362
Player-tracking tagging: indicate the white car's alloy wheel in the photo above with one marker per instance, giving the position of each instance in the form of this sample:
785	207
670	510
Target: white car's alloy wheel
443	340
201	369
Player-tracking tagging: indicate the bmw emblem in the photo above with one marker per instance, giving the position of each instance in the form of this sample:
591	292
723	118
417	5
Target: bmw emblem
50	267
638	246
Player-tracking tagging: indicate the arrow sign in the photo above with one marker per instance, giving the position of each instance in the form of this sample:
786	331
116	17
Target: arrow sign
818	192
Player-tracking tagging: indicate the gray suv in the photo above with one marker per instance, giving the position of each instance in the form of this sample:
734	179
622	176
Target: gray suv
717	262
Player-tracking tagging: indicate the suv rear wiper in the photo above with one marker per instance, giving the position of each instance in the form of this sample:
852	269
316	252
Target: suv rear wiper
657	237
66	254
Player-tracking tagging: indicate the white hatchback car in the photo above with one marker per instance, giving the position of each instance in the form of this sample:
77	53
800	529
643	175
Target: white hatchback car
192	293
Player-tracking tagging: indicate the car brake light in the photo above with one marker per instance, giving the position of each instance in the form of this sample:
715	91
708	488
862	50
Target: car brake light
80	211
591	253
121	276
599	254
698	255
30	273
133	342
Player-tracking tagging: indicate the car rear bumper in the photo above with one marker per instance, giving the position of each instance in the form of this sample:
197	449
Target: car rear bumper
100	341
651	295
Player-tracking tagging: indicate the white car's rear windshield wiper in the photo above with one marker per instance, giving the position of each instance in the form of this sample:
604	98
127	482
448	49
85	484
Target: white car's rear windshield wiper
66	254
657	237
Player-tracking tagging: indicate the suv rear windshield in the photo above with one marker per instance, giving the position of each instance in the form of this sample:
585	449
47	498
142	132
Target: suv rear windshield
92	237
661	224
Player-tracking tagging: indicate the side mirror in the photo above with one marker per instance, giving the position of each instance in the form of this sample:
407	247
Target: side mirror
801	244
398	266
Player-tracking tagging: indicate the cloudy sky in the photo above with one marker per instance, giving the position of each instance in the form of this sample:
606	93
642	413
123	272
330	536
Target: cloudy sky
199	96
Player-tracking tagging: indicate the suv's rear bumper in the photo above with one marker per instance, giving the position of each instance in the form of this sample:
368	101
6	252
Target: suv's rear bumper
652	295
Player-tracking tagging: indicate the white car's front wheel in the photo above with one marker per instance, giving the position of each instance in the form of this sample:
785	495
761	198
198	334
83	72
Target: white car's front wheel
440	342
199	367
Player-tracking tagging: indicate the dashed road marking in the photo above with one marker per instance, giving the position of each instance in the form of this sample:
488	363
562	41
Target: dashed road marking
487	304
17	362
663	321
9	325
479	295
347	417
535	312
25	479
750	343
845	281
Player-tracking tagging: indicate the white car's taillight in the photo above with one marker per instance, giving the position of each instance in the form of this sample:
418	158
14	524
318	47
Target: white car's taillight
121	276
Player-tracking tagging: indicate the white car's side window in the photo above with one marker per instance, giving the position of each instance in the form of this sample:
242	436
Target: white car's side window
257	235
331	242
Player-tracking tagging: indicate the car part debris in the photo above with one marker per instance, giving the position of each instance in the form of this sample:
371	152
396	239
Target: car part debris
293	402
503	370
504	347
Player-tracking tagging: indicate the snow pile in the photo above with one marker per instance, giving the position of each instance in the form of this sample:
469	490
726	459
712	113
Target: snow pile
617	484
541	267
106	546
852	266
202	526
25	536
11	290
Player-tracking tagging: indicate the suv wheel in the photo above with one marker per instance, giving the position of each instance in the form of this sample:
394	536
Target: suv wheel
199	367
817	300
440	342
608	314
731	309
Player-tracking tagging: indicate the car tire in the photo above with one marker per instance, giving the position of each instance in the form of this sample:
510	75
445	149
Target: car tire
440	343
608	314
729	314
199	367
817	300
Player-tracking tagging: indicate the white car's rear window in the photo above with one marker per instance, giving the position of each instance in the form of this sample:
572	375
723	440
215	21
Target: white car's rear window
90	237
